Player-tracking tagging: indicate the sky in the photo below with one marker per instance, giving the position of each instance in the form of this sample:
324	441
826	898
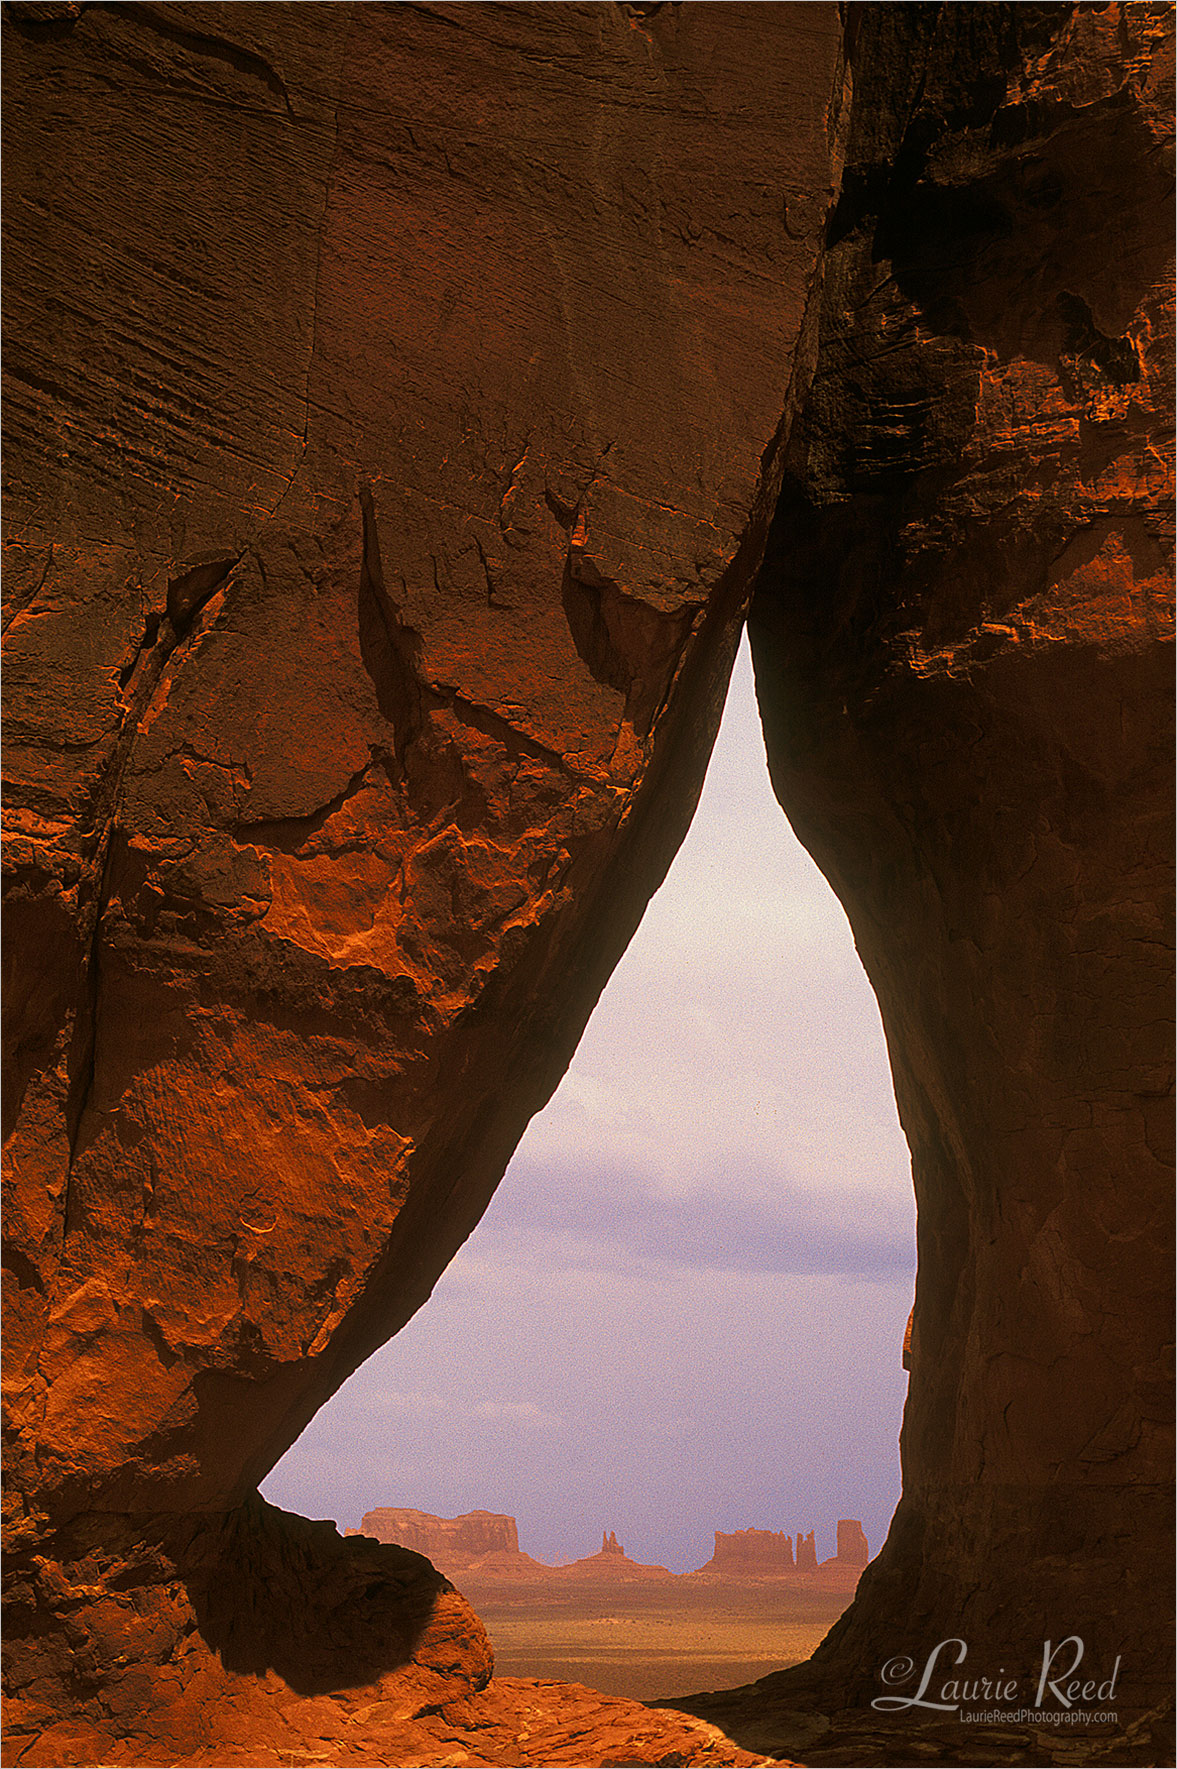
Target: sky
684	1309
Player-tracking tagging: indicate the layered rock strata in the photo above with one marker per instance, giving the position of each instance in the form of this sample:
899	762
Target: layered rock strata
962	638
393	408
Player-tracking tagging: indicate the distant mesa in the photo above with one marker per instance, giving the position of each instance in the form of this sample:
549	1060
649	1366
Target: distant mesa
753	1555
486	1544
465	1538
483	1547
482	1541
763	1553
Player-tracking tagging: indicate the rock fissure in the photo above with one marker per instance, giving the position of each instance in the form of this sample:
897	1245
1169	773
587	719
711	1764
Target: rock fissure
22	603
188	595
204	43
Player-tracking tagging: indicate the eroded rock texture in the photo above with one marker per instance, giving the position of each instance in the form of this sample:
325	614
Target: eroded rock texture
394	402
960	640
221	1638
397	403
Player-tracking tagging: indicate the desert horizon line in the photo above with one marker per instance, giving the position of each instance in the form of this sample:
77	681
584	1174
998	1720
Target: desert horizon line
480	1534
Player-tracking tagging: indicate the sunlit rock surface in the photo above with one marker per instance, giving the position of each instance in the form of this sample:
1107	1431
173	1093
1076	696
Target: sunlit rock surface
394	399
397	401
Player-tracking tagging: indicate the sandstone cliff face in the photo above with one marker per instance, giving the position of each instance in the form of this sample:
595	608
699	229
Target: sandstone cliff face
393	403
359	604
383	500
960	638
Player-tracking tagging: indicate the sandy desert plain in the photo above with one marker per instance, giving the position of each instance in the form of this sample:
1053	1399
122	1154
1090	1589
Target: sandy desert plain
648	1641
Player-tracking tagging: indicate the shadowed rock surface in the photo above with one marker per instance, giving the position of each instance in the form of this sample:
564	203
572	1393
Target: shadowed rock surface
384	497
962	644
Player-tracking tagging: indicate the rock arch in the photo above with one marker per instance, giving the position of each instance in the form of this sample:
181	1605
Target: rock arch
404	407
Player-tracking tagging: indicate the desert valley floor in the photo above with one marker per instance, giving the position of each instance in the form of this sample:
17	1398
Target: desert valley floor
646	1643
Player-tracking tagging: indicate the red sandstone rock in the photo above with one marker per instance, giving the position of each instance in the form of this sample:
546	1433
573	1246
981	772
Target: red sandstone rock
806	1552
962	639
439	1538
756	1554
384	493
611	1566
750	1553
383	497
481	1542
520	1722
229	1639
853	1549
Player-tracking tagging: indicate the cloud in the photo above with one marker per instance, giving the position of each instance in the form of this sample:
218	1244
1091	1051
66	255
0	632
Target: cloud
562	1214
730	1106
689	1401
405	1405
519	1412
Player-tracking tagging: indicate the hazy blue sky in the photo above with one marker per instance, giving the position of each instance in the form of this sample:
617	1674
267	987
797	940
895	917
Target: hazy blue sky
684	1309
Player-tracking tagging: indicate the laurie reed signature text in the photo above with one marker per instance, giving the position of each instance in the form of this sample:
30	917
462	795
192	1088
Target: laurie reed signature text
1061	1689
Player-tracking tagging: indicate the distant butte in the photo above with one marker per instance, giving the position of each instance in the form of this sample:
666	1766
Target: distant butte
467	1537
485	1545
612	1565
754	1555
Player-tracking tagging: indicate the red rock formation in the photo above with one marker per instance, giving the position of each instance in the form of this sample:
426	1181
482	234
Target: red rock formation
518	1722
852	1543
612	1565
384	495
383	499
750	1554
485	1543
255	1629
444	1540
806	1552
961	650
843	1570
